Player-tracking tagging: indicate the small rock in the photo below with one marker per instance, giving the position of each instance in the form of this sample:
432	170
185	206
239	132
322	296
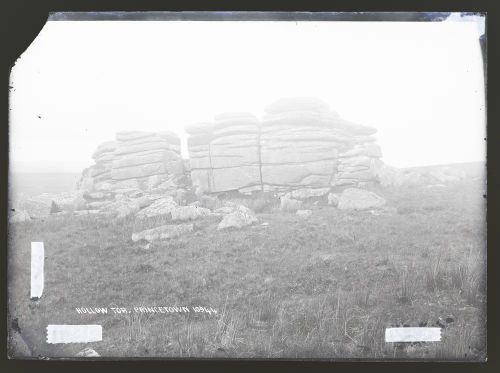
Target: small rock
143	202
88	352
440	322
304	213
238	219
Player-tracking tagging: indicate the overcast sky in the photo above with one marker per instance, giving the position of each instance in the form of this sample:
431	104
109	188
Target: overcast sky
420	83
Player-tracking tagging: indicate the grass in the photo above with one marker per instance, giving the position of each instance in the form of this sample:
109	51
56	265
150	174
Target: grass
325	287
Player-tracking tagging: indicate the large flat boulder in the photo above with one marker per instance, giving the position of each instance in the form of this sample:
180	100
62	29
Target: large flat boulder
240	216
161	206
162	232
359	199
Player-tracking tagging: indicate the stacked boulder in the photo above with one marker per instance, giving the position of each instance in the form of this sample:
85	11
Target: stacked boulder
306	145
136	160
100	172
224	155
359	165
144	160
300	143
136	165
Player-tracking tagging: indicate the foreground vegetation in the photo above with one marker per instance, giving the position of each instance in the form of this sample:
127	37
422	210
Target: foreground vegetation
322	287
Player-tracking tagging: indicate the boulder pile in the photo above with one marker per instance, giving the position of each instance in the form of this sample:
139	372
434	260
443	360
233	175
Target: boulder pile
300	143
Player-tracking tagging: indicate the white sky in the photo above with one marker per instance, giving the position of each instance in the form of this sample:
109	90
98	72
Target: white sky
419	83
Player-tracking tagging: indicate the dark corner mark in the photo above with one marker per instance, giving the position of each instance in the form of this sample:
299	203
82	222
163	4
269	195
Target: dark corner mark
24	26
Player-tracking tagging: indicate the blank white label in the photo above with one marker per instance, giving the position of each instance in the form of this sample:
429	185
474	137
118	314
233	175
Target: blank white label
74	333
412	334
37	261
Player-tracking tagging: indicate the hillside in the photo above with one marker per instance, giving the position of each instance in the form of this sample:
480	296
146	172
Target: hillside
325	286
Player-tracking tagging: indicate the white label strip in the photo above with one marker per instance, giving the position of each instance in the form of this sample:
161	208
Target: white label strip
412	334
74	333
37	260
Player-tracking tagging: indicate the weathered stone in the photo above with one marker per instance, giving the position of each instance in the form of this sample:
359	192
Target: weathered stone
240	217
88	352
358	199
304	213
162	232
306	193
145	158
312	174
135	172
161	206
184	213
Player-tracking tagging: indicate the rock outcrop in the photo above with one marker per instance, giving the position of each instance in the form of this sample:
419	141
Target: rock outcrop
135	164
300	143
136	160
305	144
224	155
